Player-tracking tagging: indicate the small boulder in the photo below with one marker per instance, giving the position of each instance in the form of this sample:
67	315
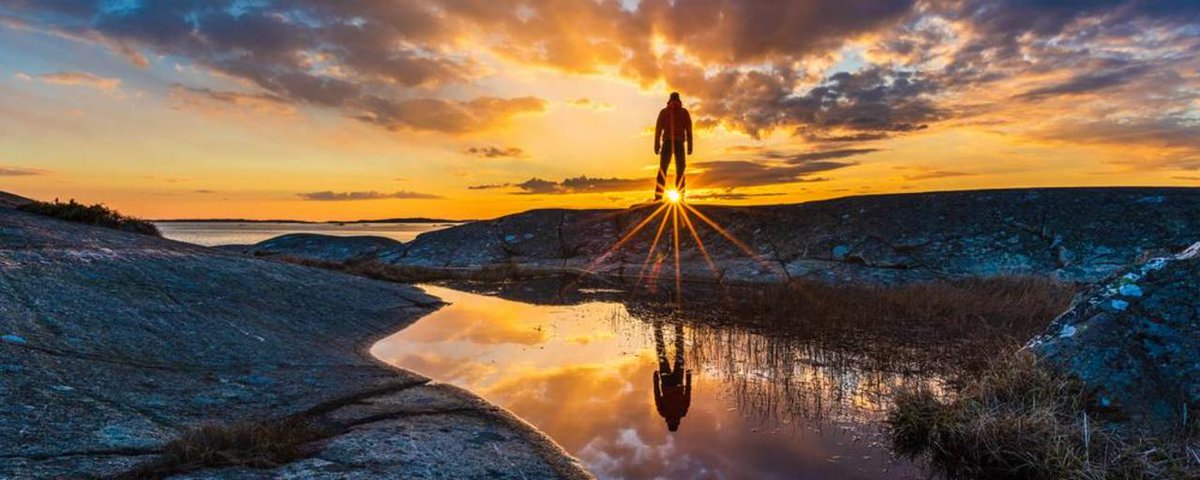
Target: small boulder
326	248
1135	339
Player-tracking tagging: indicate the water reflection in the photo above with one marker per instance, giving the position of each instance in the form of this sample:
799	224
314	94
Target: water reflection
672	386
756	406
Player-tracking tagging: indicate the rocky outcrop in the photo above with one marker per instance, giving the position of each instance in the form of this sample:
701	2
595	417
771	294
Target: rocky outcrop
1133	339
113	343
1076	234
324	248
8	200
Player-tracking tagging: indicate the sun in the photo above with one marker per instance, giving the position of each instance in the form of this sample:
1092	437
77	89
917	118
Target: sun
674	196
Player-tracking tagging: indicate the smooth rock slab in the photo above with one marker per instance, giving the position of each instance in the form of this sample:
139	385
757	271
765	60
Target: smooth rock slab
114	343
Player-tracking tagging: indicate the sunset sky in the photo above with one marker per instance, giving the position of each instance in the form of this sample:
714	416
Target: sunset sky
316	109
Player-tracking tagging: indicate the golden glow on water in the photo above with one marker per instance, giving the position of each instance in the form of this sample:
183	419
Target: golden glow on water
584	374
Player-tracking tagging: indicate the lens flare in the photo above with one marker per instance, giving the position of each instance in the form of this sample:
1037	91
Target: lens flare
674	196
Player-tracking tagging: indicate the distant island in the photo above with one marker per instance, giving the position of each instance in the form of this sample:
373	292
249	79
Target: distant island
245	220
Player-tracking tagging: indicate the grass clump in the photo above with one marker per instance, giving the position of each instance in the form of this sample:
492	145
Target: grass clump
414	274
254	444
98	215
963	323
1020	419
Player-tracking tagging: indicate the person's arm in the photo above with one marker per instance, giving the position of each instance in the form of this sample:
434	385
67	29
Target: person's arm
657	394
659	126
687	125
687	394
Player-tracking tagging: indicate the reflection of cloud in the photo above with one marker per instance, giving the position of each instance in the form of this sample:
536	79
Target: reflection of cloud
596	392
444	368
496	326
330	196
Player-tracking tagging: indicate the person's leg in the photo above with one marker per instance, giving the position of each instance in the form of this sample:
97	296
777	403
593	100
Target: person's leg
680	166
679	348
660	348
664	161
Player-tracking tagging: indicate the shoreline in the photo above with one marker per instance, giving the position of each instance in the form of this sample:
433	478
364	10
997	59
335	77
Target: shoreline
134	341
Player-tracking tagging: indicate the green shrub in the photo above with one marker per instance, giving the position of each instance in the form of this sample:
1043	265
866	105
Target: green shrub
97	214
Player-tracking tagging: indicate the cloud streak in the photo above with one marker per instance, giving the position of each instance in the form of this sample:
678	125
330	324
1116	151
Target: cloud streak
82	79
11	171
495	152
331	196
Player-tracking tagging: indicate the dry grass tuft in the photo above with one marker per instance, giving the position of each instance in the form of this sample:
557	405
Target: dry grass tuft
1021	420
248	444
963	322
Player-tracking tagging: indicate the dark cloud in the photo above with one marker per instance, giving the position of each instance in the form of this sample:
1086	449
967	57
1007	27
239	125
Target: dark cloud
753	66
489	186
749	31
208	101
1089	82
330	196
495	152
331	54
830	154
876	100
580	184
745	173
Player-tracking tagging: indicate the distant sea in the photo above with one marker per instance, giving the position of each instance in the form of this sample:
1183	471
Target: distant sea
245	233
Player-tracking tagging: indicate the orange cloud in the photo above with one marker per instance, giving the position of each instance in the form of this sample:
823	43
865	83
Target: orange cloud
84	79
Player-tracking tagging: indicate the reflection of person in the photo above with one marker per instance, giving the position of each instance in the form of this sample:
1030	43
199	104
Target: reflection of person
674	127
672	386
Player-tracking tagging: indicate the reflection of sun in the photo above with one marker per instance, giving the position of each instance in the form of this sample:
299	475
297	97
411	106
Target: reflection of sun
674	196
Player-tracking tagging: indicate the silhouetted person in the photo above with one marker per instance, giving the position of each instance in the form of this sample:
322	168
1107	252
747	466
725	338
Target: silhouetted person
674	127
672	386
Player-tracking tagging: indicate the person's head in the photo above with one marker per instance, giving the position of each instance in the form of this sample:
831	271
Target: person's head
675	98
672	424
